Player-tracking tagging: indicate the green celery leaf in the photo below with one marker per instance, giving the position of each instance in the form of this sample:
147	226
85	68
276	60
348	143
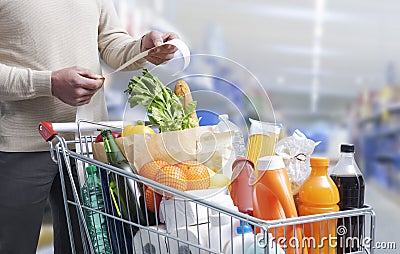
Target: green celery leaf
163	106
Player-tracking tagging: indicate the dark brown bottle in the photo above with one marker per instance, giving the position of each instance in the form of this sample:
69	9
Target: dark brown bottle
350	183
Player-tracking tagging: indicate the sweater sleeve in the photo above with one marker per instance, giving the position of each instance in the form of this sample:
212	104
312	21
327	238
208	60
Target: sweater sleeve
116	46
23	83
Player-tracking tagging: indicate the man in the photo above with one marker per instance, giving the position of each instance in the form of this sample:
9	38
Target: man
49	65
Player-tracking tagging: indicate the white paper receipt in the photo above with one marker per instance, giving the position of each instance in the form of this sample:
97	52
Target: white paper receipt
182	47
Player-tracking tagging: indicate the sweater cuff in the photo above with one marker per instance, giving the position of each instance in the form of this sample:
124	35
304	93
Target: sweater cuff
42	83
137	49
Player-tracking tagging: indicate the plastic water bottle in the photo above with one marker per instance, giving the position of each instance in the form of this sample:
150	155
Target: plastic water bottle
243	239
92	197
238	140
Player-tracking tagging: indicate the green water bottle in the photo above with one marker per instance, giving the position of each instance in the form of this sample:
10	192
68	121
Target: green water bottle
92	197
129	192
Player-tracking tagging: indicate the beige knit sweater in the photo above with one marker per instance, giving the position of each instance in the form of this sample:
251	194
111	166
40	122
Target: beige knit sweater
37	37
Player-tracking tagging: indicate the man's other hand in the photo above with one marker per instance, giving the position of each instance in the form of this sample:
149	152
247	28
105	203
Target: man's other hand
75	85
160	54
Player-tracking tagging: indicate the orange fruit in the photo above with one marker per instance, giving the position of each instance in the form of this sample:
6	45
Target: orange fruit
173	177
197	175
150	169
153	200
185	165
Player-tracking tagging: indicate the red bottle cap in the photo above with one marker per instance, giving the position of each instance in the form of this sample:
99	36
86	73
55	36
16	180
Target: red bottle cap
242	160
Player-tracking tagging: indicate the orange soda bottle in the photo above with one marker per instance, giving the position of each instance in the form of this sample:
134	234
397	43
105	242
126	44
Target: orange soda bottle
273	200
317	195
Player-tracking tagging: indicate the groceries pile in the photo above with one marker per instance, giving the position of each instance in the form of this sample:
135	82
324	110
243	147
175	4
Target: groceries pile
270	179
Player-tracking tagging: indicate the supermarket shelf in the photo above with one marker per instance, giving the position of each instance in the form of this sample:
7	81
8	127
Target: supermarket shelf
380	142
388	157
377	115
386	132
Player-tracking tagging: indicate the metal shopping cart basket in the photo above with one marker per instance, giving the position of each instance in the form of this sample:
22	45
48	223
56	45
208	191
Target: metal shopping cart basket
187	223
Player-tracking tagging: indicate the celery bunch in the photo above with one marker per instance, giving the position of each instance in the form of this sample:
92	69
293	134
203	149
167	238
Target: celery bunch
164	108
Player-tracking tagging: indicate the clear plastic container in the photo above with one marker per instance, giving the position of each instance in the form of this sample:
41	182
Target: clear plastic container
262	140
237	140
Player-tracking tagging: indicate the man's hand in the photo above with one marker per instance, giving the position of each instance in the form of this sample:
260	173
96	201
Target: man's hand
161	54
75	85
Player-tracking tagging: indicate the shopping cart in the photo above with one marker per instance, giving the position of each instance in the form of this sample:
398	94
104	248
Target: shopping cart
190	223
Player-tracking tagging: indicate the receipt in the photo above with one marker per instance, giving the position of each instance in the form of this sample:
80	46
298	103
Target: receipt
182	47
86	111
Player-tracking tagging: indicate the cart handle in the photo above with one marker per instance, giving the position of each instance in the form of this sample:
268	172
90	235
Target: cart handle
47	131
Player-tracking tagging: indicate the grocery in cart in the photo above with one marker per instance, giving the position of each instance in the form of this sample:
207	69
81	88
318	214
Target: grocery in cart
172	186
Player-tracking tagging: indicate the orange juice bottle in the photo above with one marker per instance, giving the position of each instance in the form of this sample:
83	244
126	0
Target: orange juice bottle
317	195
273	199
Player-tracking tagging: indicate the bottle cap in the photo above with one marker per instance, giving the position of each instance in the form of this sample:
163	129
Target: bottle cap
242	160
319	162
347	148
105	132
270	163
243	228
91	169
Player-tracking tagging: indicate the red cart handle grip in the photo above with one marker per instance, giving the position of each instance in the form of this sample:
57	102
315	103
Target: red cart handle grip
46	130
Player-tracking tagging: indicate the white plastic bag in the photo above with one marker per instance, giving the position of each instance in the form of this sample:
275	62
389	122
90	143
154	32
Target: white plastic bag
295	150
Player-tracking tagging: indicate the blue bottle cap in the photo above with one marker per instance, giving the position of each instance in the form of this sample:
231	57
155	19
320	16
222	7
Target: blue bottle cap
243	228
